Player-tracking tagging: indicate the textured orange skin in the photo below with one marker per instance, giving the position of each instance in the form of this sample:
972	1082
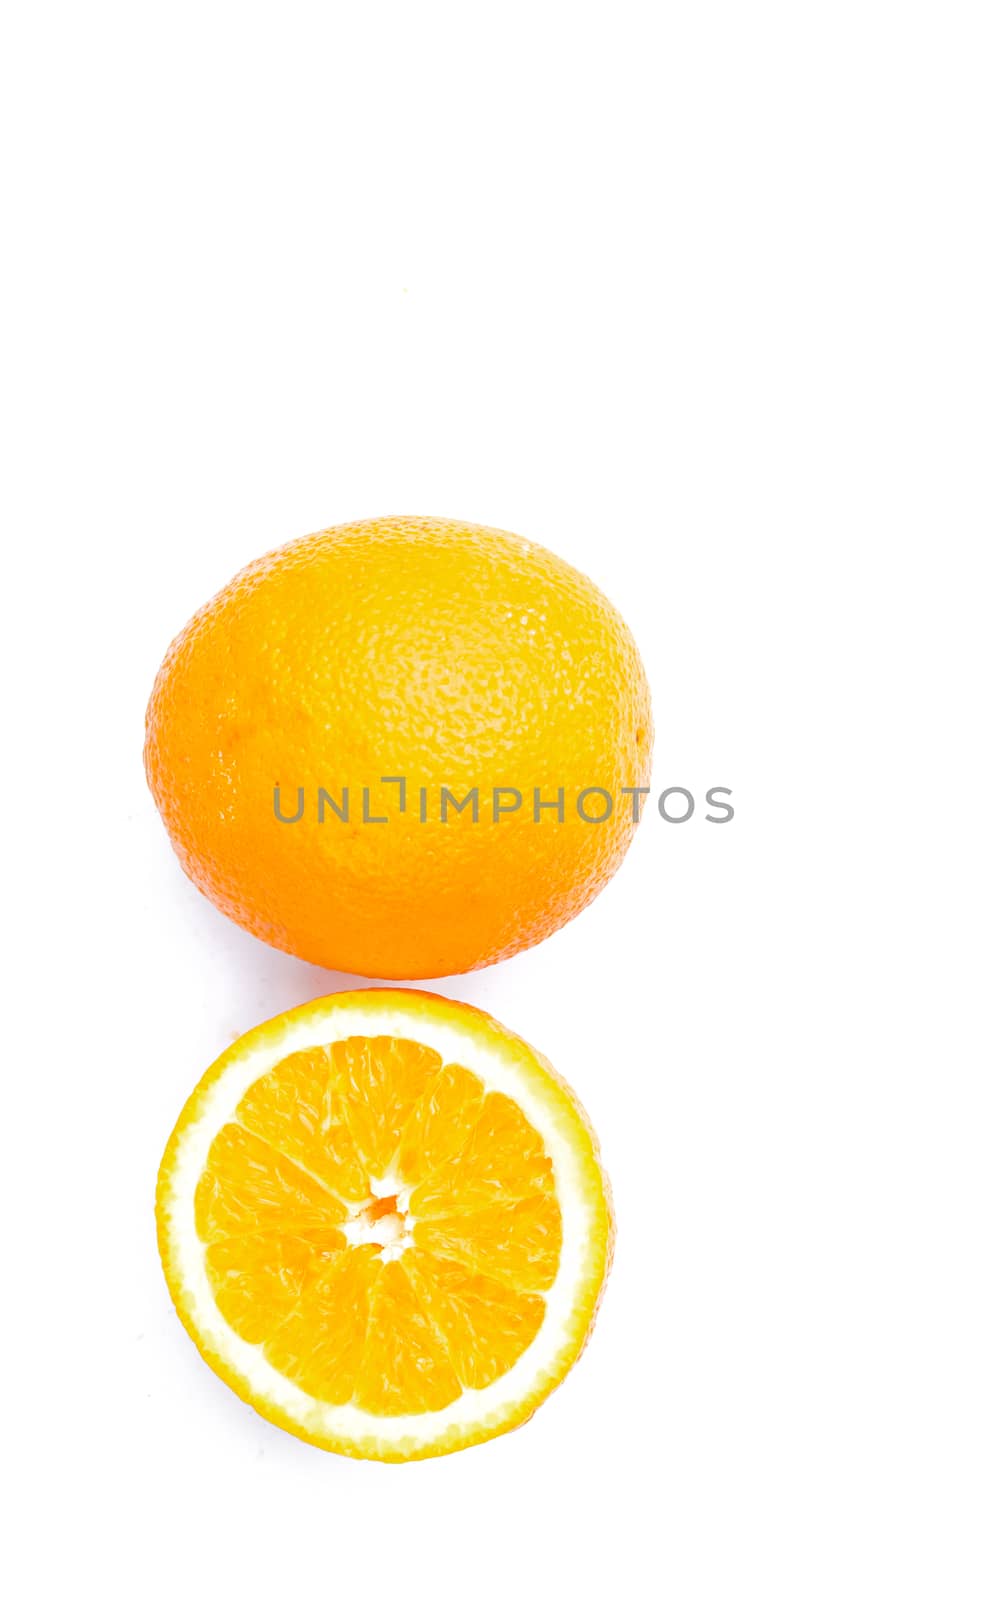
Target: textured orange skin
441	651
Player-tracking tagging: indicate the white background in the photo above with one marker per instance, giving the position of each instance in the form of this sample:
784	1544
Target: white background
705	298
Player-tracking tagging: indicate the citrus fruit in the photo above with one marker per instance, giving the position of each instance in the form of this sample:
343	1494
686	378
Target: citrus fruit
383	1221
391	748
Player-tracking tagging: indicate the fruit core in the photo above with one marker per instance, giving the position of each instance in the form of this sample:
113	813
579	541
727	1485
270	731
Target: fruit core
383	1221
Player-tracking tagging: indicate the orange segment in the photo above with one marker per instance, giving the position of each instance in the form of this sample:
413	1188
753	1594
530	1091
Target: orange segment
297	1108
440	1123
320	1344
406	1366
484	1324
517	1244
257	1278
379	1082
503	1159
247	1186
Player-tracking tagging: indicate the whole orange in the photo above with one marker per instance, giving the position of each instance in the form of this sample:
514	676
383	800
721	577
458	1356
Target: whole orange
395	669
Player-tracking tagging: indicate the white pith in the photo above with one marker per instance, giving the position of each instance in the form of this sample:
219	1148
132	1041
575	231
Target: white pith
499	1069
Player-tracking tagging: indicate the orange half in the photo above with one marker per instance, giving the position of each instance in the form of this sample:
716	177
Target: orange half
383	1220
